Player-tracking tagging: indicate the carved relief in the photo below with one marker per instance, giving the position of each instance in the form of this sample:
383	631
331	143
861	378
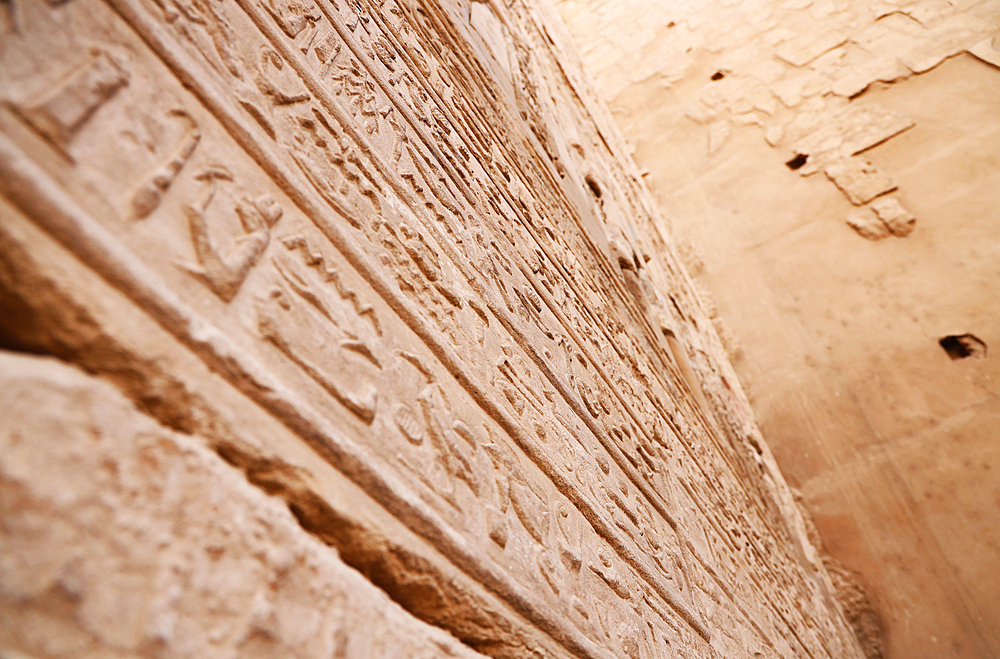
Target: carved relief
147	197
224	273
361	399
454	451
61	112
531	509
315	259
292	15
204	24
440	302
329	163
272	83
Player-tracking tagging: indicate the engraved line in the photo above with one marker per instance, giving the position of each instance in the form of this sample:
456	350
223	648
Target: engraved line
709	427
40	199
453	364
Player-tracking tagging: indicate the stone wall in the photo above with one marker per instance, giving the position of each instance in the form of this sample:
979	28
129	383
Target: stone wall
834	167
387	266
123	538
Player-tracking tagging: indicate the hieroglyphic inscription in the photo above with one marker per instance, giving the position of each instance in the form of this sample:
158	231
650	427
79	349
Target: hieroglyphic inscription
62	111
381	247
224	273
147	197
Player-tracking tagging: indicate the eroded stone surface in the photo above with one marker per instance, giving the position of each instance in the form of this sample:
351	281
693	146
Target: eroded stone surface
892	214
891	440
807	47
868	225
121	538
988	51
846	134
858	179
391	260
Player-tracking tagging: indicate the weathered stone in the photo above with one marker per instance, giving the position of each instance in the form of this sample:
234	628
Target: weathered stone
868	225
988	50
858	179
718	133
946	39
896	218
807	47
393	262
774	134
791	91
883	69
764	101
848	133
850	352
121	535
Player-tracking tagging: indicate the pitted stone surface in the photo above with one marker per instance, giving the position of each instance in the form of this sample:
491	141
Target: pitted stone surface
121	538
845	229
392	261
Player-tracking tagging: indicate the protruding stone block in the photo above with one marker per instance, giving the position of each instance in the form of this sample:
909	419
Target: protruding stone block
899	220
858	179
867	225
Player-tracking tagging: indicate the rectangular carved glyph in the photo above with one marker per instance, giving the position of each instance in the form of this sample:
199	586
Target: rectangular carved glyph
61	112
436	274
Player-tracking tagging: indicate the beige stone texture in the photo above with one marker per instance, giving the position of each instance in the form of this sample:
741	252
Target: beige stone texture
848	333
391	261
122	538
868	225
858	179
892	214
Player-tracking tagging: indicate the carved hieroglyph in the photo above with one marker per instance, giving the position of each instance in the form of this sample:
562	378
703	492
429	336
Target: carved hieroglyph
405	236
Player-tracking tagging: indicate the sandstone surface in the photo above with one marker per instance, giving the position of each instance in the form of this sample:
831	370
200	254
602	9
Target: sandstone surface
122	538
391	262
834	166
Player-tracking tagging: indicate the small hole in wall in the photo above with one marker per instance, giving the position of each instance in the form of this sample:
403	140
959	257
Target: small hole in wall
594	187
799	160
960	346
718	75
